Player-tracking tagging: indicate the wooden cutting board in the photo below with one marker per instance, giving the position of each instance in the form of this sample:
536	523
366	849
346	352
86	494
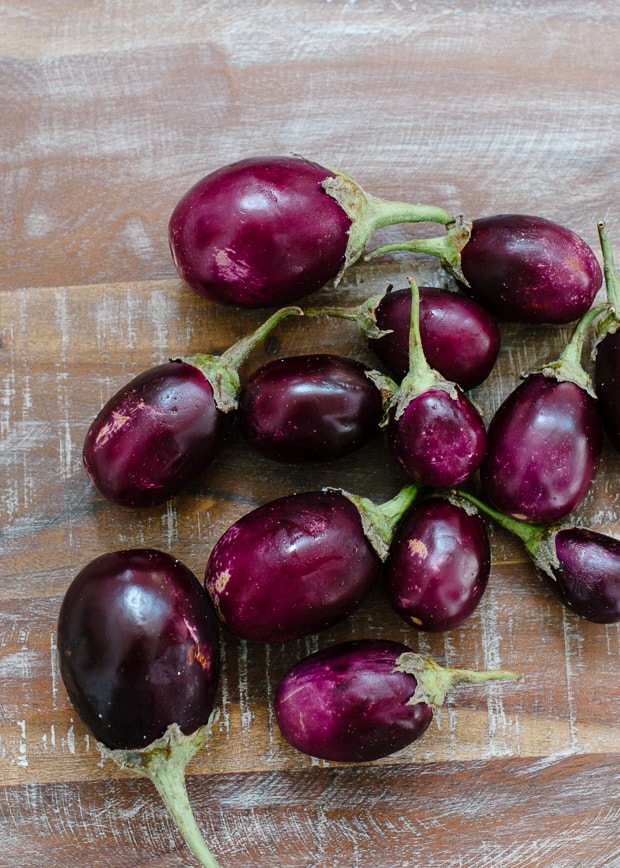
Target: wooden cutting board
108	115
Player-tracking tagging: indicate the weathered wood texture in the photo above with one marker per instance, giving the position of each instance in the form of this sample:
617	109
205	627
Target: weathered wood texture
108	113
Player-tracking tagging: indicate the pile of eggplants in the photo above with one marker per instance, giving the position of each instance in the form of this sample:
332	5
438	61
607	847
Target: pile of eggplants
139	633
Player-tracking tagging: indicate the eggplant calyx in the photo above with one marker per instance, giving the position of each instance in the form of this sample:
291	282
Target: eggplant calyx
164	762
433	681
368	213
568	367
379	520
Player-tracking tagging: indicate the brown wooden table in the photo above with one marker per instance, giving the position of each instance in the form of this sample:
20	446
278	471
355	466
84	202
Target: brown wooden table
109	112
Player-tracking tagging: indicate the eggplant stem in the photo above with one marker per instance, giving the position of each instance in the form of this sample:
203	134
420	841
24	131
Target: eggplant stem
530	534
435	681
568	367
612	280
222	372
447	248
164	762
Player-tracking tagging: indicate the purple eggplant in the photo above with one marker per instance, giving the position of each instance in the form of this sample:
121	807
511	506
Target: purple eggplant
267	231
313	407
581	566
434	431
139	656
362	700
300	563
164	427
438	565
460	339
607	350
545	440
530	270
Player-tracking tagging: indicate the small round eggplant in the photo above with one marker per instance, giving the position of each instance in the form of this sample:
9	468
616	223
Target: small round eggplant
309	408
607	350
166	426
581	566
528	269
460	339
139	656
438	565
267	231
363	700
545	440
434	431
300	563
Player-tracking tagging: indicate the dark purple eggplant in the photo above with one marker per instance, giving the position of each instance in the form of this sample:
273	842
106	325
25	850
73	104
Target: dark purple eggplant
267	231
434	431
438	565
164	427
545	440
314	407
300	563
460	339
581	566
607	350
528	269
139	656
362	700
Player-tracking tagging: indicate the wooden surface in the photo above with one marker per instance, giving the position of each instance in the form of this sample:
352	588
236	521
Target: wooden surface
108	112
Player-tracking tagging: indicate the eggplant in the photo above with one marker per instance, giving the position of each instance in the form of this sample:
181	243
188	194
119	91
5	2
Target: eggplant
363	700
268	230
139	656
607	348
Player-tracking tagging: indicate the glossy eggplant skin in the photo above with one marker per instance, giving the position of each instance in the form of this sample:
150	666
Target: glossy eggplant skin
461	340
155	435
291	567
528	269
438	565
138	647
586	576
543	448
314	407
607	384
439	439
347	704
260	232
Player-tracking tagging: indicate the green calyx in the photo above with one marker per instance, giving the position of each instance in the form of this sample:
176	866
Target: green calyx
379	520
368	213
435	681
568	367
222	372
164	762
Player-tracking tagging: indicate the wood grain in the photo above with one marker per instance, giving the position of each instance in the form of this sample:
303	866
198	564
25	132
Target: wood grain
107	114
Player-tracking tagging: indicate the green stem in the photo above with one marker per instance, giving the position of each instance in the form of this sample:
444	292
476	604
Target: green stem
568	366
164	762
435	681
612	280
530	534
222	372
447	248
363	314
420	377
379	520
